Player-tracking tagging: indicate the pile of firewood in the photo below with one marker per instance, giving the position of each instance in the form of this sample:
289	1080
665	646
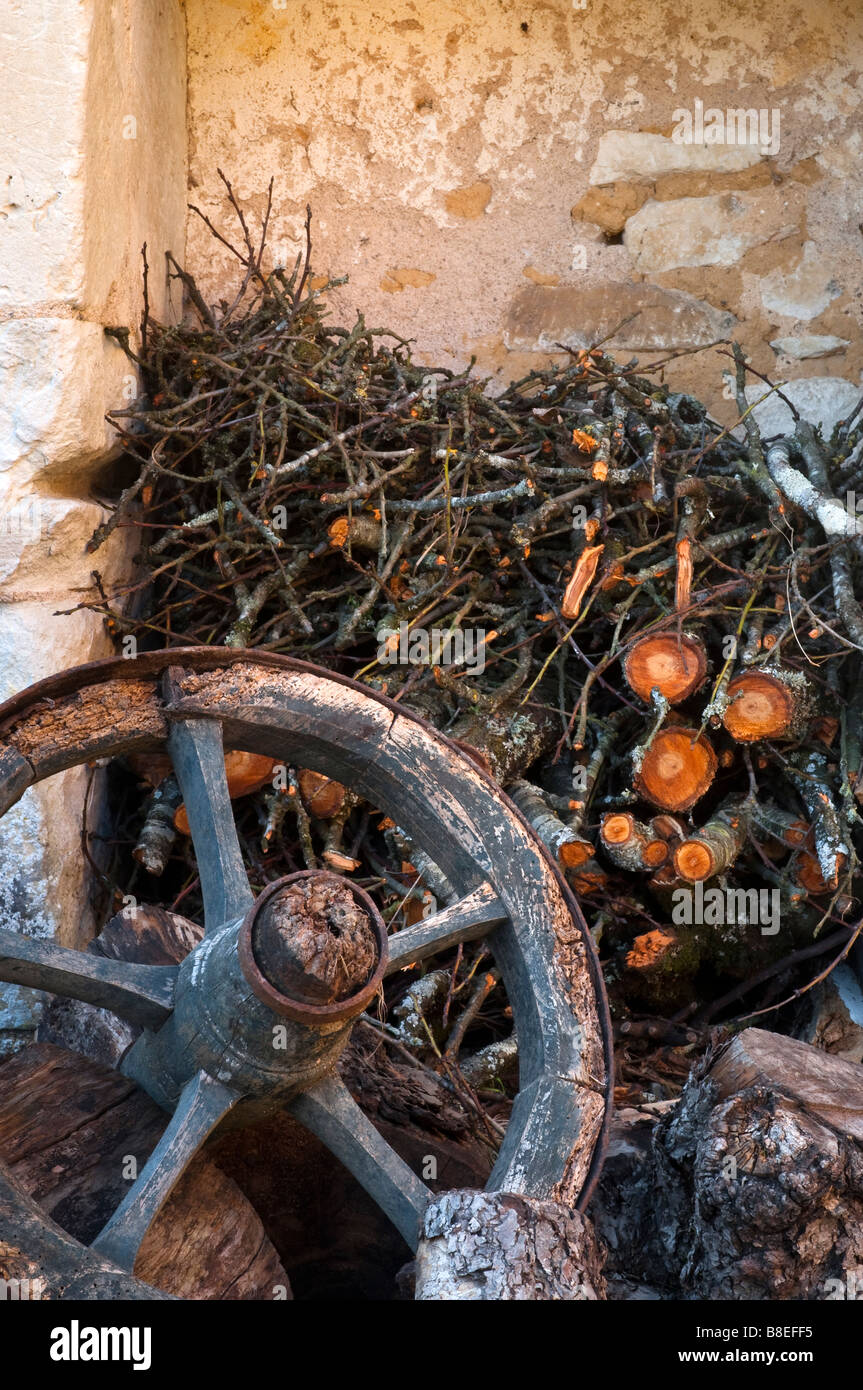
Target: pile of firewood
643	624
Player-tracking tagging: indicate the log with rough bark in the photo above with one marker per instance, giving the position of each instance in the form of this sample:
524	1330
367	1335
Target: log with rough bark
750	1187
570	850
715	846
482	1246
767	705
630	843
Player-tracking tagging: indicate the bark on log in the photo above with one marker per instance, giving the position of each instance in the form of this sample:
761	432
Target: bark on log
570	850
361	532
158	833
754	1184
630	843
496	1246
713	848
509	740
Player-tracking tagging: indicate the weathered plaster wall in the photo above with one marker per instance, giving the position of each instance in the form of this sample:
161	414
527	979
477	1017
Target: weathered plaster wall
496	177
94	155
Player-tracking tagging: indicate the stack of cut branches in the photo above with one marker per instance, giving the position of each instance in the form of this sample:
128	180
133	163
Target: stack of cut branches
642	623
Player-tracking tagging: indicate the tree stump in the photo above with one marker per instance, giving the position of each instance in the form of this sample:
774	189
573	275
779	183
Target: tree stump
752	1187
496	1246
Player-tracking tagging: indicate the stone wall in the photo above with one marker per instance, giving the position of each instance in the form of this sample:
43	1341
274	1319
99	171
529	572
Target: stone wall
95	149
498	178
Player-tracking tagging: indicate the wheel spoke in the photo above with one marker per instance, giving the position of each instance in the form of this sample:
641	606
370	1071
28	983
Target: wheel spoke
466	920
198	755
199	1109
141	994
330	1112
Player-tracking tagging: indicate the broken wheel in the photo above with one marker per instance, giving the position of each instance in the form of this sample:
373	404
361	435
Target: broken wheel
210	1024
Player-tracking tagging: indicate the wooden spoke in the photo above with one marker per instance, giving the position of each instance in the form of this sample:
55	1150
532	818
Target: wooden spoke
469	918
198	755
331	1113
201	1106
142	994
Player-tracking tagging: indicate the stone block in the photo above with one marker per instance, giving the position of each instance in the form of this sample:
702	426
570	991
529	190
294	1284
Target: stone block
43	543
824	400
94	154
809	345
716	230
637	154
802	293
58	377
539	318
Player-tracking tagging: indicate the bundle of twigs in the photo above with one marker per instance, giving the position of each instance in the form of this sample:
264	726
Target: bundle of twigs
644	624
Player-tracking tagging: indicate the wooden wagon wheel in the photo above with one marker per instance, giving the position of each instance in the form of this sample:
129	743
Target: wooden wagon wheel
209	1025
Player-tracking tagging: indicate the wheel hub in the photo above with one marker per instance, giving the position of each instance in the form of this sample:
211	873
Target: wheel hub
314	948
259	1012
265	1004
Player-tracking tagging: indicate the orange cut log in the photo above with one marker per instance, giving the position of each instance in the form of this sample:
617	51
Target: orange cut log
322	796
675	665
650	949
714	848
362	530
630	844
676	770
246	772
764	704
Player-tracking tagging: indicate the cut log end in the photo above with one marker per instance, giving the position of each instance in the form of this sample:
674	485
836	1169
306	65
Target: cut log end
322	797
694	861
716	846
655	853
677	769
630	844
617	829
573	853
762	705
362	530
807	872
674	665
650	949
